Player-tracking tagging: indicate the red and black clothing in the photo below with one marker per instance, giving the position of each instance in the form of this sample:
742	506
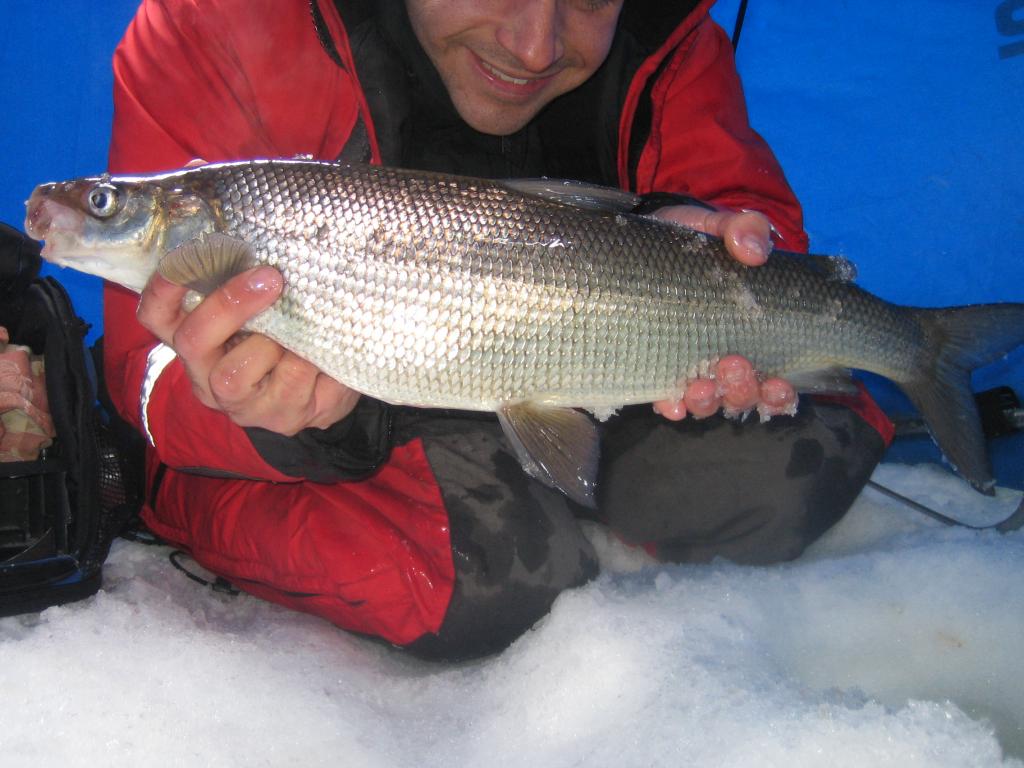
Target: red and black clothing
419	526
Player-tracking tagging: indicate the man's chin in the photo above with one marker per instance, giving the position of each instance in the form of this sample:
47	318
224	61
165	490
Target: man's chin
503	125
496	118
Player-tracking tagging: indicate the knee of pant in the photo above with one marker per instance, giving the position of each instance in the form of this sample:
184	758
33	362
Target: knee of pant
523	540
503	524
773	528
759	534
748	492
506	579
515	545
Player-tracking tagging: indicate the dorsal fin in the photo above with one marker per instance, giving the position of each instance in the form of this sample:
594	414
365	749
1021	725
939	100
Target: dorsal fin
207	262
579	194
836	268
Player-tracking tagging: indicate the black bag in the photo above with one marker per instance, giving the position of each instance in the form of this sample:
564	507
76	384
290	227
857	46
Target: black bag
55	529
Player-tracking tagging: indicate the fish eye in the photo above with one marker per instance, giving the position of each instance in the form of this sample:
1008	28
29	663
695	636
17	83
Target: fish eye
103	200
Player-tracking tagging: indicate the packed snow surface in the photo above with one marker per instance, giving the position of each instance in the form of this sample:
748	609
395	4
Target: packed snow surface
895	641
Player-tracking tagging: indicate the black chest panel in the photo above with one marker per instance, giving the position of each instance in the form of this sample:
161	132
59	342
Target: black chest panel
417	126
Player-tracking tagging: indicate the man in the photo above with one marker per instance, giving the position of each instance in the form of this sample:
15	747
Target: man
419	526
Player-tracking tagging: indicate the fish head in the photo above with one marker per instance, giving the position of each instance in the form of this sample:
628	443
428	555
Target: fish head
114	228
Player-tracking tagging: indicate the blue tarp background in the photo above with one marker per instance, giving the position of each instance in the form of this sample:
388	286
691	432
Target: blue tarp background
899	126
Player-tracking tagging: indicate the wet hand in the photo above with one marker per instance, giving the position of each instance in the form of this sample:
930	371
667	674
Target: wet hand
251	378
735	386
747	235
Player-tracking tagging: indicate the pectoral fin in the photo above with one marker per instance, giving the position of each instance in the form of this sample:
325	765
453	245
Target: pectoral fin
558	446
207	262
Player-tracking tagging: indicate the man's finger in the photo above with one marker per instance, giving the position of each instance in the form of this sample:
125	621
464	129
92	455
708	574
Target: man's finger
290	388
695	217
737	383
673	410
702	398
239	375
778	398
748	237
160	309
223	313
333	401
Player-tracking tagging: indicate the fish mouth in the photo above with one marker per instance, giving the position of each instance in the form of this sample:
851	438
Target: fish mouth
46	219
37	219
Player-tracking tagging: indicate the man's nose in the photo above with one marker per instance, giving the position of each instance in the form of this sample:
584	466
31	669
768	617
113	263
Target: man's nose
532	33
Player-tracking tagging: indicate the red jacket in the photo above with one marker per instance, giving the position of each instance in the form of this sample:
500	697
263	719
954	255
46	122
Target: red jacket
232	79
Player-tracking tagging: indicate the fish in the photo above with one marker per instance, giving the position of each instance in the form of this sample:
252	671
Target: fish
548	302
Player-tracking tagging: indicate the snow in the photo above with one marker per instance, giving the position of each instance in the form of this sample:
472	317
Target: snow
893	641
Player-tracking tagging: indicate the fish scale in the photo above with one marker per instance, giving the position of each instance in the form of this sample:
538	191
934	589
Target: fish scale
626	341
516	328
527	298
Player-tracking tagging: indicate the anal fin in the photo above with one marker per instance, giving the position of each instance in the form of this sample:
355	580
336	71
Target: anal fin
825	381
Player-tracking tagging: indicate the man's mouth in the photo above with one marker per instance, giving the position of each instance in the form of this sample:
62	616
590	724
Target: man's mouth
509	83
502	75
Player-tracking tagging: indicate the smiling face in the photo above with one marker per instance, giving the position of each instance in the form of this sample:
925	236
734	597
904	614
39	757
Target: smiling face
502	61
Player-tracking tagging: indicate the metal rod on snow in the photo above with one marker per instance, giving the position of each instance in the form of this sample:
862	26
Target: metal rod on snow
1011	523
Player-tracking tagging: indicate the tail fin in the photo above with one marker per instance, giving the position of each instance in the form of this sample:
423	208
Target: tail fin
958	340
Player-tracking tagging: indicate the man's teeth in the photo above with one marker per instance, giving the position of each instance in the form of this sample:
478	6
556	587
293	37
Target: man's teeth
502	76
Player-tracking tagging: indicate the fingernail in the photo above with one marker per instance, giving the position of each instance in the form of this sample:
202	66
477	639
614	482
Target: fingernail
733	374
755	247
732	368
264	280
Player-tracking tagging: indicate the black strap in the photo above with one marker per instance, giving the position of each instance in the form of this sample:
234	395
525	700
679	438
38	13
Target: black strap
219	583
652	201
741	14
351	449
323	35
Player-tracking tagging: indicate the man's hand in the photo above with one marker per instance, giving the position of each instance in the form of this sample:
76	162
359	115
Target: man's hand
735	385
252	379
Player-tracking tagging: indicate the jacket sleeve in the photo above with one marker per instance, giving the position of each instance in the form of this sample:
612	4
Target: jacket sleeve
701	142
192	80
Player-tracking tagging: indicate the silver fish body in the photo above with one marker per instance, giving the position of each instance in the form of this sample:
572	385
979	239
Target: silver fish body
441	291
